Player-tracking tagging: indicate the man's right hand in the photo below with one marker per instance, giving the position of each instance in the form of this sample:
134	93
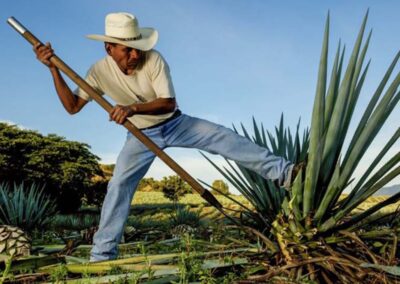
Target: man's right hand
44	53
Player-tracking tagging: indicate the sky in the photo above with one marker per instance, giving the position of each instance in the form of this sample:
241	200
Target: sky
230	60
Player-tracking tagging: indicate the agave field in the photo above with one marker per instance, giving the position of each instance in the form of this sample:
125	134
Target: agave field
328	228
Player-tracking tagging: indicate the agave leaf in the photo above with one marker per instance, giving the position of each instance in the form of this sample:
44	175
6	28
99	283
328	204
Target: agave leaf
259	199
359	217
264	138
336	124
27	208
33	262
245	133
332	90
120	278
297	195
394	270
333	190
272	141
372	103
230	198
317	129
257	134
370	186
331	222
375	219
378	158
369	132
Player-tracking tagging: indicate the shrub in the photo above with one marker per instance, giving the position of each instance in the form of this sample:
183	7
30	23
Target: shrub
183	216
220	187
26	208
66	168
173	187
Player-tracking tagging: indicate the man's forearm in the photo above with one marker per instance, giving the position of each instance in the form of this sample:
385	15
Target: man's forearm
68	99
158	106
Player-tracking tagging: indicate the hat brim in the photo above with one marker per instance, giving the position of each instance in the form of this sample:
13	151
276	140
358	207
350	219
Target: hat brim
147	42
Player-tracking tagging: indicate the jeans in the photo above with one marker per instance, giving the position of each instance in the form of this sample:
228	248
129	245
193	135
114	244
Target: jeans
135	159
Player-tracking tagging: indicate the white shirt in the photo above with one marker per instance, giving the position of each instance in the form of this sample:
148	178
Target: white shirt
152	81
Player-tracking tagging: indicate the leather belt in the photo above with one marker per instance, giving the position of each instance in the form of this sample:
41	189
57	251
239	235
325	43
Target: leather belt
176	114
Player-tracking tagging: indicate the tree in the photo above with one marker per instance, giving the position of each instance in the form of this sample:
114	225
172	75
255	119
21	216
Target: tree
149	184
65	168
174	187
221	186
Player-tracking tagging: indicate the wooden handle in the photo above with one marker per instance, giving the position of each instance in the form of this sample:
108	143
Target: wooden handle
208	196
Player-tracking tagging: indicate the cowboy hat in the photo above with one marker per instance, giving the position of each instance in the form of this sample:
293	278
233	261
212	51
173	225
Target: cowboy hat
123	28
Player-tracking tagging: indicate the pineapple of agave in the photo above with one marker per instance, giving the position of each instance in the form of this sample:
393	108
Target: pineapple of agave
313	234
13	241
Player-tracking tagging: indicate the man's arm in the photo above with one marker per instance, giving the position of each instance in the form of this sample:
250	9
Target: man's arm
159	106
70	101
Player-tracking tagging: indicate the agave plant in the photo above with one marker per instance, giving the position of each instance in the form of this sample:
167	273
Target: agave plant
264	195
317	235
27	208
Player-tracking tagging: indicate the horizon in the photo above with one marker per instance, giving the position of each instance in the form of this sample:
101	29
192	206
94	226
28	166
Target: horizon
230	61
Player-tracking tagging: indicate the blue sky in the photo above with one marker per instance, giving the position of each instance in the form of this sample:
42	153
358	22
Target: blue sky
229	60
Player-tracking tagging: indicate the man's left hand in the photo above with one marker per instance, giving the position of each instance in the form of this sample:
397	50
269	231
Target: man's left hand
120	113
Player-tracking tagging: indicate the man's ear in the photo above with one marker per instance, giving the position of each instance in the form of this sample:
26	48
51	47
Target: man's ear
108	47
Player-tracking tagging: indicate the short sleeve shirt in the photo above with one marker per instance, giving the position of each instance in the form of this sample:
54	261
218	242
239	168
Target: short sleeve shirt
152	81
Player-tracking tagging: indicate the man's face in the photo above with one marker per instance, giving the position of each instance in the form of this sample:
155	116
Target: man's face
127	58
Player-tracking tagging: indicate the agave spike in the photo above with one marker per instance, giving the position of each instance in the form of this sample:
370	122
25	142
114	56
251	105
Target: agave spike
373	102
260	199
246	134
273	143
358	66
336	123
344	129
356	218
369	188
257	135
378	158
369	132
332	90
317	125
331	222
355	89
264	138
297	195
324	205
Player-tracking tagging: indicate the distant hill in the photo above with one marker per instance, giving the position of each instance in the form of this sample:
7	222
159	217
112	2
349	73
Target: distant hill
389	190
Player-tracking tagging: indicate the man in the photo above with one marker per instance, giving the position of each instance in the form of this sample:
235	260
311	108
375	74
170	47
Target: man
137	78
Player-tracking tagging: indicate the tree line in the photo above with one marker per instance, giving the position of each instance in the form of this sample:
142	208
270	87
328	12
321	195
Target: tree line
67	170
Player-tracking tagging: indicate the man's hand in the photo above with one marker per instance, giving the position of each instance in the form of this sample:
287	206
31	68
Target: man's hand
120	113
43	54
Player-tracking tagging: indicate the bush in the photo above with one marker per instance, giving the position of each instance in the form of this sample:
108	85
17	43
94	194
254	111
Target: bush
173	187
26	208
66	168
184	216
221	186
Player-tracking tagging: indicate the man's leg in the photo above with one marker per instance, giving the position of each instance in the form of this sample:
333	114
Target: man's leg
132	164
198	133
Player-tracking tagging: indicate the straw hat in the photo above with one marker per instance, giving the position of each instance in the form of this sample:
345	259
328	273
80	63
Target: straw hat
123	28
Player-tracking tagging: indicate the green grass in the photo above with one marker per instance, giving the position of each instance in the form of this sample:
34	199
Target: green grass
153	207
189	199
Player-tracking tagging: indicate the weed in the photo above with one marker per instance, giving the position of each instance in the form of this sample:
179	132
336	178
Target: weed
59	274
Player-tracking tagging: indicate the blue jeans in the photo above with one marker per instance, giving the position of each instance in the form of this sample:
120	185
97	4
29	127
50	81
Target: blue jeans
135	159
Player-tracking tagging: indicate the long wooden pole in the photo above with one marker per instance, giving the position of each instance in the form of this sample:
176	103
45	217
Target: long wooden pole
208	196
